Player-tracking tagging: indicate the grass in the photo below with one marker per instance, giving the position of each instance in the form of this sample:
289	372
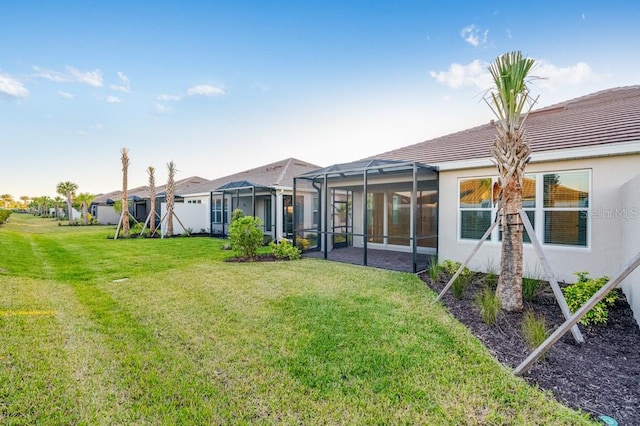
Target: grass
150	331
534	328
489	305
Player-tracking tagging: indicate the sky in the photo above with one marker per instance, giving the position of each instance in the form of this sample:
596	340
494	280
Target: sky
219	87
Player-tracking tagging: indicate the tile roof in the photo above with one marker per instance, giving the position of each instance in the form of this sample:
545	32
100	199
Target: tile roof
601	118
280	173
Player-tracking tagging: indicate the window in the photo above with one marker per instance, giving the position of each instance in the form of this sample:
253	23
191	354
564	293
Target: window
564	210
218	213
316	212
476	207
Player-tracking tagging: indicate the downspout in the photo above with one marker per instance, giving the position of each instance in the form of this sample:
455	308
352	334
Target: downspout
365	225
414	230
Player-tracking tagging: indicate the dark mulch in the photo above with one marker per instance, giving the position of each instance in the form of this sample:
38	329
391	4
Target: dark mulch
266	257
600	376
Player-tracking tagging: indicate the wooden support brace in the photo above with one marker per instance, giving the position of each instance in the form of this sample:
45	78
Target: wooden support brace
577	316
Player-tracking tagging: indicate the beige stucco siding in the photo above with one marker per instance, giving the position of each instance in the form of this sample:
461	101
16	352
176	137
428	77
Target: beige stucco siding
604	254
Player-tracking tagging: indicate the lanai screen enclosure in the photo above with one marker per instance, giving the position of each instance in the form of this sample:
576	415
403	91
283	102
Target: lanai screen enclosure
385	211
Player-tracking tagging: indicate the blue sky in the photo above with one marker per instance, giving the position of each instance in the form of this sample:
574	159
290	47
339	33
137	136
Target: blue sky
223	86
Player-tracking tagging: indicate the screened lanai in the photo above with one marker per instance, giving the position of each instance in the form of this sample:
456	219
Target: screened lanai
252	199
372	212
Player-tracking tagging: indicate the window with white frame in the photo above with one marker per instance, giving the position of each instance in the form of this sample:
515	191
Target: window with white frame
218	214
564	210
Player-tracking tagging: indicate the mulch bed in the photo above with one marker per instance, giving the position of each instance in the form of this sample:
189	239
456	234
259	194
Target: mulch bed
600	376
266	257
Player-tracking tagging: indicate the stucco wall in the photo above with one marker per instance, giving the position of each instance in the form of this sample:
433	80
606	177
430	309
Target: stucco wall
106	215
193	216
602	257
630	212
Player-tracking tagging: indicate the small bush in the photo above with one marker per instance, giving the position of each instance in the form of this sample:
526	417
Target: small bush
285	250
490	280
4	215
434	270
267	240
302	244
530	288
534	329
580	292
236	214
489	305
450	267
461	284
245	235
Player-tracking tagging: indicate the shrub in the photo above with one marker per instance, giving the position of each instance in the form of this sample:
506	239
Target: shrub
285	250
245	235
267	240
534	328
530	287
580	292
434	270
450	267
302	243
4	215
489	305
236	214
461	283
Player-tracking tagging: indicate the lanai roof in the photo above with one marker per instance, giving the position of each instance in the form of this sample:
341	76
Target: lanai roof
601	118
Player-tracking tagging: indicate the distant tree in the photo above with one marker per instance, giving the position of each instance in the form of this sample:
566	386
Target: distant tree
151	171
7	200
68	189
85	199
25	201
170	194
125	194
511	102
57	204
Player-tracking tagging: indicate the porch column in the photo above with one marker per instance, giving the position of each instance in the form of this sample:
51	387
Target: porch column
365	225
326	216
279	217
414	218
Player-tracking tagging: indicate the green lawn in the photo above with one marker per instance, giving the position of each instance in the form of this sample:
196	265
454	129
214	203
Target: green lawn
100	331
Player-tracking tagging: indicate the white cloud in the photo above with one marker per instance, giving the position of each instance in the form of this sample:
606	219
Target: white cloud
113	100
125	86
473	74
66	95
161	108
546	76
474	35
92	78
164	97
12	87
205	90
553	77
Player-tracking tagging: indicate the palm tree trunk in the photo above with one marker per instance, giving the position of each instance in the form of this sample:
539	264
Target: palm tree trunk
125	194
69	207
509	289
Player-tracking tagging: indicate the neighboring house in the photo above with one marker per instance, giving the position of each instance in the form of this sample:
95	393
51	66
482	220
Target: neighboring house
581	192
139	201
265	192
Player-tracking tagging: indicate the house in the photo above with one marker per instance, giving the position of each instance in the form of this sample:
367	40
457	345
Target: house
582	193
139	201
265	192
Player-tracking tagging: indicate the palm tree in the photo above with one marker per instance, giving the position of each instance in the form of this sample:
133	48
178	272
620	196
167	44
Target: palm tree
171	187
25	200
68	189
151	171
511	103
7	199
85	199
125	201
57	203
